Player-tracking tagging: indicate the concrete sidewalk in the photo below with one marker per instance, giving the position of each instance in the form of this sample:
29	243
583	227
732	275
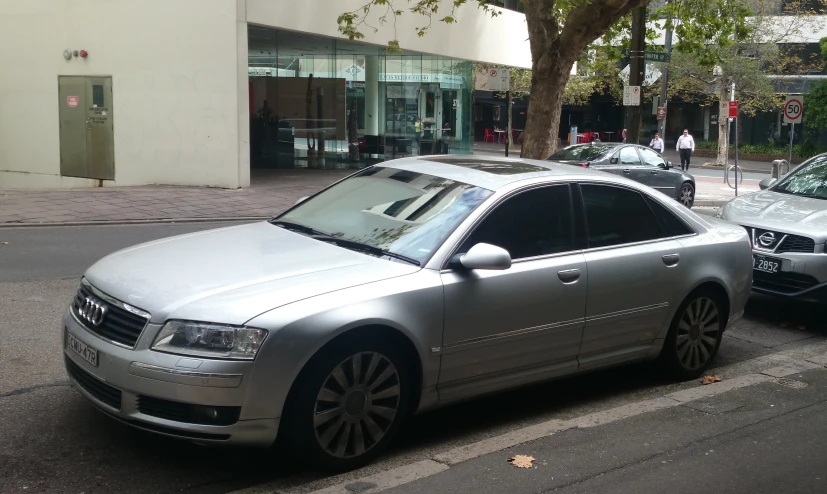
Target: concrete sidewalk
272	192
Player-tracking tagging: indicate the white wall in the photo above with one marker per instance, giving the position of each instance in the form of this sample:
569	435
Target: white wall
179	104
476	36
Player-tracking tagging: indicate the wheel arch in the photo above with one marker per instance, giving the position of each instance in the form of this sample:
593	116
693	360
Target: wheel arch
372	330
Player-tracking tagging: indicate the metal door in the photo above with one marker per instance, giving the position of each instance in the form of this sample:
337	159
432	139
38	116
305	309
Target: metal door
87	147
527	317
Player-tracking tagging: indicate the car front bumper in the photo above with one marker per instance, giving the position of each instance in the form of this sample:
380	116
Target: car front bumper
802	277
156	392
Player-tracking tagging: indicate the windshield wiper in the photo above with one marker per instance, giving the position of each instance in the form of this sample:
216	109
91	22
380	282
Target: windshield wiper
370	249
289	225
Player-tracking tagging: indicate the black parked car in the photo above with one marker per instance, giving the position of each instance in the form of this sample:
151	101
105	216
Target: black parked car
638	163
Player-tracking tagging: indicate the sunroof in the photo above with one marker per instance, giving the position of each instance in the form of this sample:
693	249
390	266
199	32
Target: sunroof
493	167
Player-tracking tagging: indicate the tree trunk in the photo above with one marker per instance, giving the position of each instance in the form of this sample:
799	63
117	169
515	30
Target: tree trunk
723	125
542	127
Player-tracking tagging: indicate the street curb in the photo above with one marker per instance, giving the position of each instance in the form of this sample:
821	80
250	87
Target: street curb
157	221
710	203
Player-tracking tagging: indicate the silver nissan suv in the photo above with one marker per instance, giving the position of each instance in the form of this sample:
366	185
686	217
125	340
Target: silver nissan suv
787	222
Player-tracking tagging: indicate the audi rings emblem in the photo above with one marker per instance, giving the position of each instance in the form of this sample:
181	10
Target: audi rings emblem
93	311
767	239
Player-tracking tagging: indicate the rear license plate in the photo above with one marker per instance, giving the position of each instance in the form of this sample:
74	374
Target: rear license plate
88	354
766	264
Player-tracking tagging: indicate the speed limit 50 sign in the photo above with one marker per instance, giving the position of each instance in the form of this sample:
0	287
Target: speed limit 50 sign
793	109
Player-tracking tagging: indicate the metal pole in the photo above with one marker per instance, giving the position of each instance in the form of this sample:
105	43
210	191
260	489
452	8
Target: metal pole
637	69
664	85
736	143
508	125
792	131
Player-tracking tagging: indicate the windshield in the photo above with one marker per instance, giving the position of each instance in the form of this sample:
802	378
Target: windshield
810	180
403	212
583	152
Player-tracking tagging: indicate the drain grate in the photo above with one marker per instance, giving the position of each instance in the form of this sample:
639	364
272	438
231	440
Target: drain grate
791	383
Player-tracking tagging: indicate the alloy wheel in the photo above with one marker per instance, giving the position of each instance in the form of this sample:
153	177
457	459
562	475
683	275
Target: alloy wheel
687	197
357	404
697	335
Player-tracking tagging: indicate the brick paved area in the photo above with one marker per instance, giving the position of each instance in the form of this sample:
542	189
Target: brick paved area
272	192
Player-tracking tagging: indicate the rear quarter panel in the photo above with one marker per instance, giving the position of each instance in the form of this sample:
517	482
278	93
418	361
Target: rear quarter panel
722	254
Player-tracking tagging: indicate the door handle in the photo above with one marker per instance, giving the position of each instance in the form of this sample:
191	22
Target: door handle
654	172
87	125
671	259
569	275
626	171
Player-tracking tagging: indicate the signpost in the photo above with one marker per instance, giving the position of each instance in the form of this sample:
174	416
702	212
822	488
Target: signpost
793	111
657	56
631	95
661	112
733	109
499	79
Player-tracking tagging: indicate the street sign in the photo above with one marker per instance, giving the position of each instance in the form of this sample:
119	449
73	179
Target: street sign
733	109
72	101
499	80
661	112
631	95
793	109
657	56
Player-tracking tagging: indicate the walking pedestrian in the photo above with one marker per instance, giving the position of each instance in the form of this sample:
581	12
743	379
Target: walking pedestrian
623	135
657	143
685	146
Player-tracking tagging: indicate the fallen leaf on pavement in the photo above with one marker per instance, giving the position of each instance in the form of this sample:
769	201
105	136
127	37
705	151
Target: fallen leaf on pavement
521	461
5	243
711	379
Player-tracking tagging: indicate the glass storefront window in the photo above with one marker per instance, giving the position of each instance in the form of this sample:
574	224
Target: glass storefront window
328	102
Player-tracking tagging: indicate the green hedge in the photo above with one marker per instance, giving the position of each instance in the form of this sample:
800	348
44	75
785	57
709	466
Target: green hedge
803	150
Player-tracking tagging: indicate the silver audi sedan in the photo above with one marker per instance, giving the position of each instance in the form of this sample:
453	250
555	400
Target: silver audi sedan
406	286
787	221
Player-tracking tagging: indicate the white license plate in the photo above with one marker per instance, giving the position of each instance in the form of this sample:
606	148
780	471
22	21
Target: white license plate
766	264
88	354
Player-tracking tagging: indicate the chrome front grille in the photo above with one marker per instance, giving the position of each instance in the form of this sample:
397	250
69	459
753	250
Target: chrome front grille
107	317
779	242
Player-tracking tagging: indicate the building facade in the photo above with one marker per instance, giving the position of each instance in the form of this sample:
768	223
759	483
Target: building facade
198	92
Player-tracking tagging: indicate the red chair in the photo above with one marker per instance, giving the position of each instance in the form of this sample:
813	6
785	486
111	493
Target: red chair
488	134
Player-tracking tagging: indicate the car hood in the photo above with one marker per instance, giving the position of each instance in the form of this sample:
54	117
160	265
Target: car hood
782	212
231	275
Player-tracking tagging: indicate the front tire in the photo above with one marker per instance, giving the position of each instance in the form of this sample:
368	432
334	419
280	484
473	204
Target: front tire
686	196
695	336
348	404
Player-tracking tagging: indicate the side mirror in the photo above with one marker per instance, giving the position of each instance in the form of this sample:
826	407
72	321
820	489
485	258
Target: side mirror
767	183
613	161
664	165
485	257
302	199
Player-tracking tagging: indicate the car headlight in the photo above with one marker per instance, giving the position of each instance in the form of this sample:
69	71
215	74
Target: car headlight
202	339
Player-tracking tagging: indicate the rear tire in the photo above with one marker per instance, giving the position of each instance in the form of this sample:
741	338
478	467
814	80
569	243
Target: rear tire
348	403
686	196
695	336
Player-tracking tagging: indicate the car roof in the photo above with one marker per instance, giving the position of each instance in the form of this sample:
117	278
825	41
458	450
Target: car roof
490	172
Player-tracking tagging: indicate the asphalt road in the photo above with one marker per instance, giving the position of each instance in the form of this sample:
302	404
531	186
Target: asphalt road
51	440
